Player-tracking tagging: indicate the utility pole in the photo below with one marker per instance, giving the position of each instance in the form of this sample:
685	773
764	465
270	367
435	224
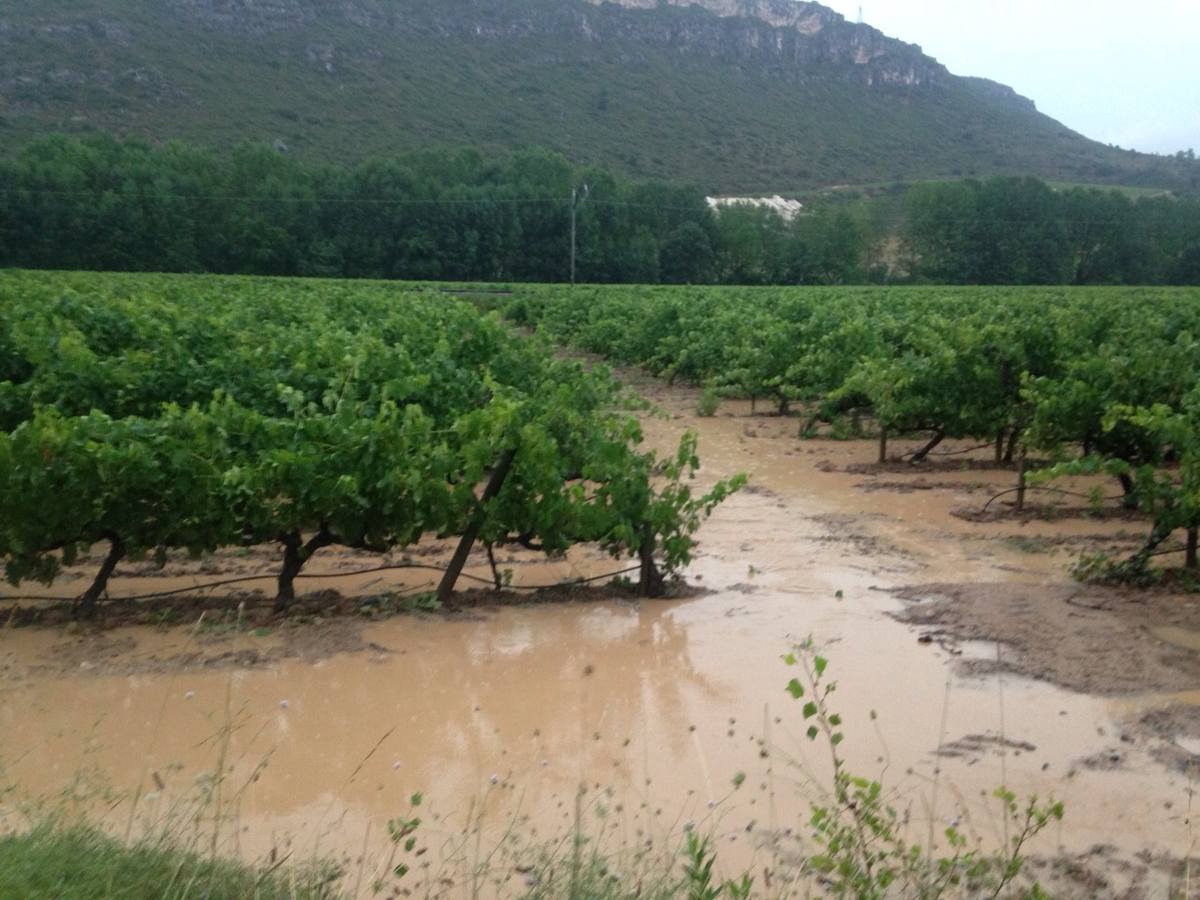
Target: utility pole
576	202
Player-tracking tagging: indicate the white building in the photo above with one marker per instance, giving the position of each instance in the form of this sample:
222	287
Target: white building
786	209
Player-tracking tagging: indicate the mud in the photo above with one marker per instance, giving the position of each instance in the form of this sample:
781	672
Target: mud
965	657
1095	640
954	464
1034	512
1174	730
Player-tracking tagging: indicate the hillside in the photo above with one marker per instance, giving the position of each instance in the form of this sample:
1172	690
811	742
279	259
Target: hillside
735	95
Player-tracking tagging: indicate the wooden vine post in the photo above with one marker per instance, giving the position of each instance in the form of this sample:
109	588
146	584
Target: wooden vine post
1192	534
495	482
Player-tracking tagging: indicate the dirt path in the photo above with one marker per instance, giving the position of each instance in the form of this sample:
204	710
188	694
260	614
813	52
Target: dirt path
930	622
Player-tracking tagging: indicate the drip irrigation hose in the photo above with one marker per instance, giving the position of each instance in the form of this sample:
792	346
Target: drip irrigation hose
207	586
987	446
1051	490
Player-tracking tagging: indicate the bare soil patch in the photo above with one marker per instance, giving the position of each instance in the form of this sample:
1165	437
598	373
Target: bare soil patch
944	465
1103	871
920	484
1092	639
210	614
1175	732
1047	512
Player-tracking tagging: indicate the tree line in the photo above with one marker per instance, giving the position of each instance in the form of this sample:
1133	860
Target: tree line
1021	231
98	203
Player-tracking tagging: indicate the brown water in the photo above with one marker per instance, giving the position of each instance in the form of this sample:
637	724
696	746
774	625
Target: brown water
657	704
1187	638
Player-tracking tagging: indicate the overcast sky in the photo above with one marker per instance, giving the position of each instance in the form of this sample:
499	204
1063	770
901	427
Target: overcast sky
1122	72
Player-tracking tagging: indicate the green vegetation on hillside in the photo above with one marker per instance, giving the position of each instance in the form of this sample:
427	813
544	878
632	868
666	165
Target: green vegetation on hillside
669	93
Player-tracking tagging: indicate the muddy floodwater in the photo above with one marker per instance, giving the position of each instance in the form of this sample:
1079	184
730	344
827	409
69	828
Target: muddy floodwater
965	658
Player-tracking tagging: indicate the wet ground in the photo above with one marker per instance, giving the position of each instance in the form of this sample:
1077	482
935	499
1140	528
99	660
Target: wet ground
965	657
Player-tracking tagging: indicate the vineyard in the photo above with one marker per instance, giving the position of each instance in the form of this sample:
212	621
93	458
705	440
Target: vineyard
160	413
1061	381
927	466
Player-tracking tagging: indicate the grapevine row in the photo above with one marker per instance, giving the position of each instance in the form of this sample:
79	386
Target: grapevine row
1094	379
157	413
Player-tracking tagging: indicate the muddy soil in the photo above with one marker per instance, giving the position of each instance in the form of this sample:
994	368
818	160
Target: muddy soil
965	655
1095	640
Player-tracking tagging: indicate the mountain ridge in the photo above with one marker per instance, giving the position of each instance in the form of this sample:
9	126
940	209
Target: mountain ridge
734	95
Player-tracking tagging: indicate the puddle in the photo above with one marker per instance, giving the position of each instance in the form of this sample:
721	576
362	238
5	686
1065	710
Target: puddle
1189	744
981	650
654	706
1186	638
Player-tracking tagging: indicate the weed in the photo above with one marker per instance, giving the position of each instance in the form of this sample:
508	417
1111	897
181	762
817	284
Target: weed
1029	544
167	617
708	403
427	602
863	853
845	429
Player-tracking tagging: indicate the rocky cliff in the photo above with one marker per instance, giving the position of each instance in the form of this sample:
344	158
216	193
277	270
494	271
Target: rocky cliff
802	34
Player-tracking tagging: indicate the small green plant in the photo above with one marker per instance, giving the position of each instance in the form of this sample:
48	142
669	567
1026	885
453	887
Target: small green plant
863	853
698	868
1102	568
428	603
708	403
402	833
1029	544
167	616
843	429
699	882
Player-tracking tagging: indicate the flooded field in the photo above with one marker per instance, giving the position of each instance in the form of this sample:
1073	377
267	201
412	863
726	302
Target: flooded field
965	656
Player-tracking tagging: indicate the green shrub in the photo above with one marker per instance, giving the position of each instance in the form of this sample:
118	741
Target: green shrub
709	403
